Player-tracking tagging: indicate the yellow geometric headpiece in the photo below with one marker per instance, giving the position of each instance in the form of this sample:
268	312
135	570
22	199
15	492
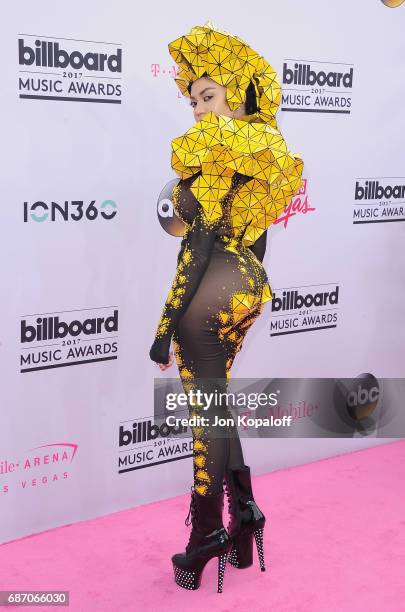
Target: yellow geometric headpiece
230	62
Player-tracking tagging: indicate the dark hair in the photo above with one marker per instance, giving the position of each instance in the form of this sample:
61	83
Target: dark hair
251	100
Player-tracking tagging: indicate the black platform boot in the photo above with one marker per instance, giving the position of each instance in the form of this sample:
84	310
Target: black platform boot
246	519
208	539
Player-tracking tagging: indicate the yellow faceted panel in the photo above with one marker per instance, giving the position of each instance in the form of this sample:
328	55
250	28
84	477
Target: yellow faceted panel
217	147
267	293
242	304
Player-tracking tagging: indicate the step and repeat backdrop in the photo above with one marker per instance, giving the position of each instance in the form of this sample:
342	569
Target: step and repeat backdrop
89	239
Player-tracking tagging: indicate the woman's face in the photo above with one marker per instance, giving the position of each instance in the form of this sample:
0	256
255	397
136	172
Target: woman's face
206	95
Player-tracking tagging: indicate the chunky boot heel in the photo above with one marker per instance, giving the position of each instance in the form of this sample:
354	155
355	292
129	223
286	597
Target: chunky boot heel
208	539
191	578
246	519
241	554
188	579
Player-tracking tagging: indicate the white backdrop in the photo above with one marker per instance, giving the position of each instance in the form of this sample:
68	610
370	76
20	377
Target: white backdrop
102	137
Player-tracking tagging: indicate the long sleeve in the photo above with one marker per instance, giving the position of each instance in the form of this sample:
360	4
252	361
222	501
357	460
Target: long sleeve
259	247
192	261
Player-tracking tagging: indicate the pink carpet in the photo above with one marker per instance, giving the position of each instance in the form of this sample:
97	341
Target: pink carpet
334	541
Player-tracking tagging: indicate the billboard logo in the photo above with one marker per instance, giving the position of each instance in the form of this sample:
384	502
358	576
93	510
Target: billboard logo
297	310
317	87
76	340
379	200
69	70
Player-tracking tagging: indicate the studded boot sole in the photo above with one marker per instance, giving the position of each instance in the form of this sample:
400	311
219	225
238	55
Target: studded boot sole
208	539
190	577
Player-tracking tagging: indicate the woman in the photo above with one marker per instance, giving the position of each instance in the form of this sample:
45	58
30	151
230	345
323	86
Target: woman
236	176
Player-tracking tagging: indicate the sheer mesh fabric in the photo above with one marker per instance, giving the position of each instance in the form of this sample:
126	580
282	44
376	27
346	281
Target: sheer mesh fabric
214	299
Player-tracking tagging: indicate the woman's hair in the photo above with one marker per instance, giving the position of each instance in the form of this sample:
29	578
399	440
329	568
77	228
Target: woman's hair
250	102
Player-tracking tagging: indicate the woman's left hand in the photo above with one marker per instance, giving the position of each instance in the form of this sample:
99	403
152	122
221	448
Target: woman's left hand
164	366
160	352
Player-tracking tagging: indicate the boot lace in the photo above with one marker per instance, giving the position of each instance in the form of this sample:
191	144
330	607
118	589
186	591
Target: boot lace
192	510
229	496
238	507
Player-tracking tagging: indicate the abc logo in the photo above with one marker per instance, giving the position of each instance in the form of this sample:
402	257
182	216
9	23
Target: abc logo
168	219
362	397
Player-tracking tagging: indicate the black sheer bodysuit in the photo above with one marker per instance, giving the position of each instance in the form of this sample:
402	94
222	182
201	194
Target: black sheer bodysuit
218	292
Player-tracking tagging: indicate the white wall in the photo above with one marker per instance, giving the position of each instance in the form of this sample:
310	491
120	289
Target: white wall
57	150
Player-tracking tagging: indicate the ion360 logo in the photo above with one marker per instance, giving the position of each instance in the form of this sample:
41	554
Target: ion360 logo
75	210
